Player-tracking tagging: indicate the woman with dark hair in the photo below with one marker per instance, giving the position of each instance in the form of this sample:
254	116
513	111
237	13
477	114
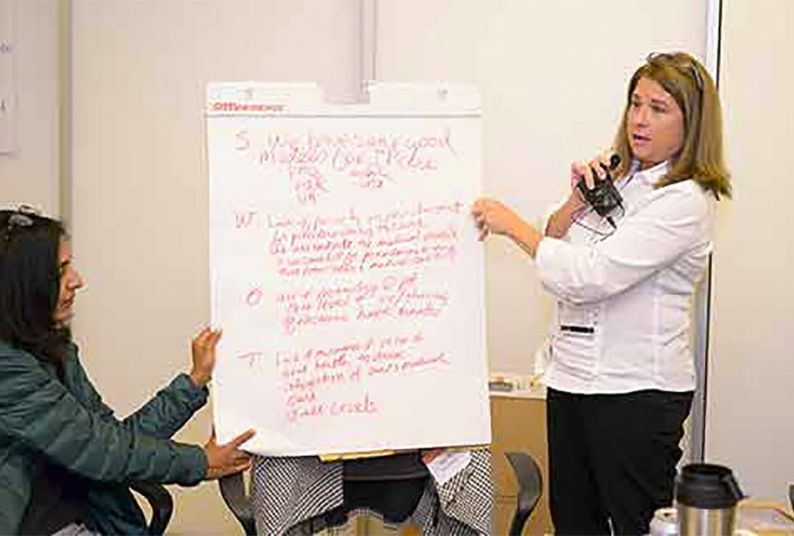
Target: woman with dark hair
65	460
619	367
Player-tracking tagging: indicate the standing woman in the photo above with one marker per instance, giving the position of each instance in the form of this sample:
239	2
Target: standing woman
620	369
65	460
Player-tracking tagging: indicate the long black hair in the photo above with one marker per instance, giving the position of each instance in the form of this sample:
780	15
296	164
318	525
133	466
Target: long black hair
30	282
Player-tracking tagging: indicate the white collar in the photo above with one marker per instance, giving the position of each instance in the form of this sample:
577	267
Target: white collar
651	175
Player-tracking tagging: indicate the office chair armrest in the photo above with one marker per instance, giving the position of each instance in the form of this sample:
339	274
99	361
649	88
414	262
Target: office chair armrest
530	486
235	497
159	500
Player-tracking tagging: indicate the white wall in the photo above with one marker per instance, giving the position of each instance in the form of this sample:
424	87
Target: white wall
30	175
553	77
749	423
140	179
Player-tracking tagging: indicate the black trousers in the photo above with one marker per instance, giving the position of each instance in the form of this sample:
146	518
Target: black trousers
612	458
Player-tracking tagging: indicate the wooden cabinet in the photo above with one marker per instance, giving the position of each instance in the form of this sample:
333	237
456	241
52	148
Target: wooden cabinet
518	423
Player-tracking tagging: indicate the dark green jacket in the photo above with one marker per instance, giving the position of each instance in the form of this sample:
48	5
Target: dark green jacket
66	423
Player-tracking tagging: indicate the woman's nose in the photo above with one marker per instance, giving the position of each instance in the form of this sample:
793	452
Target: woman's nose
76	281
640	116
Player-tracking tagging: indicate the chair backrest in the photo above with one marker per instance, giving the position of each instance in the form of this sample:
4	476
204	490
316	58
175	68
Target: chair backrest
530	487
160	502
236	498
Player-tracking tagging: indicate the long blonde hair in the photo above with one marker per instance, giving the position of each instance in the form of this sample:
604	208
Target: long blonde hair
700	158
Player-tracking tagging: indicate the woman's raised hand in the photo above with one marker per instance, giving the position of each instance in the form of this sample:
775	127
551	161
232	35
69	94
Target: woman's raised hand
493	216
590	170
203	350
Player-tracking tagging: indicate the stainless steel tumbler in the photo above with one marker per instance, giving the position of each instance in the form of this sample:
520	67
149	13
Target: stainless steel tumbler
706	496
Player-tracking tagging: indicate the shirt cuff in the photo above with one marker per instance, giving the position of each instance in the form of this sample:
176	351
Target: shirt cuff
550	259
196	396
544	255
195	464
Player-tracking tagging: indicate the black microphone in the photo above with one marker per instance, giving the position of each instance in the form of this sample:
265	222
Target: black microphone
603	197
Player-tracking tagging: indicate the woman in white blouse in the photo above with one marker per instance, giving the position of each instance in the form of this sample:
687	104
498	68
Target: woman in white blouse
619	368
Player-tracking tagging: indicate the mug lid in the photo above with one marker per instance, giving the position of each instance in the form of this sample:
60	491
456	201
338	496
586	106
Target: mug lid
705	485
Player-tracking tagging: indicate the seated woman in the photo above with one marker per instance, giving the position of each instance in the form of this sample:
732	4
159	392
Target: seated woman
303	495
65	460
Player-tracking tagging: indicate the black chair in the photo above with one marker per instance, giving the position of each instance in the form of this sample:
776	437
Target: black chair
237	500
530	487
525	470
160	502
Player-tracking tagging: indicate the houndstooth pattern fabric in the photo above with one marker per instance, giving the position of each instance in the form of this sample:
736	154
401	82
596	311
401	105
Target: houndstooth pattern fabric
288	491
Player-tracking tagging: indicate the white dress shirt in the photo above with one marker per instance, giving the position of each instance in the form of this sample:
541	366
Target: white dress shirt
623	314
